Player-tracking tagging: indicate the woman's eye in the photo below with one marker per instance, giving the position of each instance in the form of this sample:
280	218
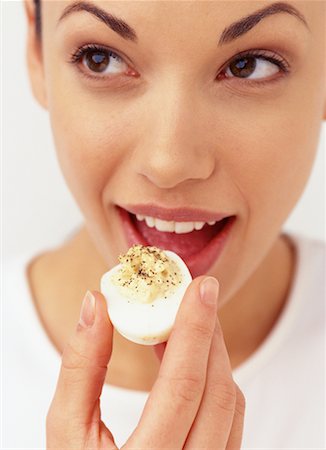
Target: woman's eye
103	62
252	67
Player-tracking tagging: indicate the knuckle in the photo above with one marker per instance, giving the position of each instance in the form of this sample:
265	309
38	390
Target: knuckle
186	388
73	359
224	394
201	331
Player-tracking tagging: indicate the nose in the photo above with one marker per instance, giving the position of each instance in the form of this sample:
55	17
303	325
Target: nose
176	146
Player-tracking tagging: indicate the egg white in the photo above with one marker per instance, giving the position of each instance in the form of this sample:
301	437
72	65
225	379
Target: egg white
145	323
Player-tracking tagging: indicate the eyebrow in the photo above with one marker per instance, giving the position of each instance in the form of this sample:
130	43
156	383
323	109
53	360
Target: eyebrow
232	32
245	24
116	24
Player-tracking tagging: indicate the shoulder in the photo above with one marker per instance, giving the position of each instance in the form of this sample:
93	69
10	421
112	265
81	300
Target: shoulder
14	273
309	289
308	244
18	289
311	256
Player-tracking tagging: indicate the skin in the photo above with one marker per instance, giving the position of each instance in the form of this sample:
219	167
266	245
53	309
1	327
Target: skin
252	145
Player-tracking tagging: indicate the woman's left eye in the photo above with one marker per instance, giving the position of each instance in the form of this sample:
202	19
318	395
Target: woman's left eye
99	60
254	67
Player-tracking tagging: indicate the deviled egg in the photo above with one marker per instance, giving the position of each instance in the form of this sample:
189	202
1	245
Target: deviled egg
144	293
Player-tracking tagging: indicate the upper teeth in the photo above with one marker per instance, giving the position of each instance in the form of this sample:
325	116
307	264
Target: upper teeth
171	226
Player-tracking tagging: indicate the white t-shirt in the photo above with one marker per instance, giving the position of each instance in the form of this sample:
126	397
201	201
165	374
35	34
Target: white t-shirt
283	381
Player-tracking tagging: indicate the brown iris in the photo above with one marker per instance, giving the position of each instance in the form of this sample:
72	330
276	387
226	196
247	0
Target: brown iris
97	60
243	67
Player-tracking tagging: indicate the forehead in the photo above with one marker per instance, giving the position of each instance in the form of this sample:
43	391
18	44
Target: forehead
151	12
185	23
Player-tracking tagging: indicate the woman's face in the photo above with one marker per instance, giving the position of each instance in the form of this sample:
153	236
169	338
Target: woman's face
166	115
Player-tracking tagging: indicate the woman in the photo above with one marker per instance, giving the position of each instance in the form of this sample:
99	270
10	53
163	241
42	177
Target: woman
166	115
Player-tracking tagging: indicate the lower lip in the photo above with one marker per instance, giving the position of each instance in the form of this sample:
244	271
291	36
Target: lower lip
199	263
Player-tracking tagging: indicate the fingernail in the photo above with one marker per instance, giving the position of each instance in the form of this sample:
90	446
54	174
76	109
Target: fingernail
208	290
87	313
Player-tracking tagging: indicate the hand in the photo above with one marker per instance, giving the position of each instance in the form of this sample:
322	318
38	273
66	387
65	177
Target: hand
194	403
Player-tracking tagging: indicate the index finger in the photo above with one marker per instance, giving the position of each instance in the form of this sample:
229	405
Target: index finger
84	365
177	392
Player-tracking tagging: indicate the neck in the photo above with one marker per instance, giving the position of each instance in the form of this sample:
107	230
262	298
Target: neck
246	319
251	314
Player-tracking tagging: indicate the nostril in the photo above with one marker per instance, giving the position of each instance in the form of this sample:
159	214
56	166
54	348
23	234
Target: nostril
167	164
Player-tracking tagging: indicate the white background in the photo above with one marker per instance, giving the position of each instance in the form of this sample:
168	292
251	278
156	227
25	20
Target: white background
37	209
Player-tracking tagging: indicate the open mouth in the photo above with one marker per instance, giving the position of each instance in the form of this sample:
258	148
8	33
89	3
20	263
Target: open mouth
198	243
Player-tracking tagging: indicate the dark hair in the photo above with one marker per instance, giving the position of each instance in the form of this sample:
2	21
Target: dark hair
38	23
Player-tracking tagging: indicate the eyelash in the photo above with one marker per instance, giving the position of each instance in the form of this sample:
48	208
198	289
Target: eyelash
77	55
80	52
265	55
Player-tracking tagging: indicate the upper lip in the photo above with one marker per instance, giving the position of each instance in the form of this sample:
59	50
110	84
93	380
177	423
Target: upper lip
182	214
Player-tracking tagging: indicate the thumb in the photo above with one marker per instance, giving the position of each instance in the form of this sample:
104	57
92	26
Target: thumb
84	364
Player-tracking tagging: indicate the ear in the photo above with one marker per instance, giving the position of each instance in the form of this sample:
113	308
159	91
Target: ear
34	56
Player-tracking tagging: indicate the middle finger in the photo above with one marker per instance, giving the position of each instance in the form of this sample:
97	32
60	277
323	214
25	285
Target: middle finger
213	422
176	395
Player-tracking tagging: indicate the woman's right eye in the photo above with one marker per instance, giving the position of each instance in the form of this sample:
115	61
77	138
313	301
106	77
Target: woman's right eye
104	62
99	60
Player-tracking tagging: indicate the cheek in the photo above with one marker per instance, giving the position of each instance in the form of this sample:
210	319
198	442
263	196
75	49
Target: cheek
277	166
272	162
92	131
278	153
268	159
90	145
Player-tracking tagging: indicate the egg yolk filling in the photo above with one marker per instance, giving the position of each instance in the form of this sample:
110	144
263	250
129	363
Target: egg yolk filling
146	273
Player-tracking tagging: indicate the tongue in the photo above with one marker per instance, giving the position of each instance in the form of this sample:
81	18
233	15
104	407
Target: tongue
183	244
